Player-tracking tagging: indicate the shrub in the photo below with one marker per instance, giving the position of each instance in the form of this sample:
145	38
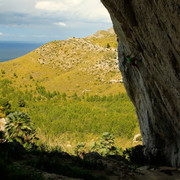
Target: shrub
108	45
6	106
64	96
19	129
21	103
2	114
53	165
11	172
80	149
2	71
15	75
135	155
10	151
105	146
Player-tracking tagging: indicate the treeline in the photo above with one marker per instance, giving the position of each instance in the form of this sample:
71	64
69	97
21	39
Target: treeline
41	94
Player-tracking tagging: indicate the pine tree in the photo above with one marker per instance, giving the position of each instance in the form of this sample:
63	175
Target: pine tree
108	45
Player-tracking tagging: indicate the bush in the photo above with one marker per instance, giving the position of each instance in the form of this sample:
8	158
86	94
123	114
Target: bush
53	165
20	129
108	45
11	150
15	75
10	172
21	103
2	71
80	149
5	105
135	155
105	146
2	114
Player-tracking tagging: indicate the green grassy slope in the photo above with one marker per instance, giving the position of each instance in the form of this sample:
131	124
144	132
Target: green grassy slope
71	90
73	65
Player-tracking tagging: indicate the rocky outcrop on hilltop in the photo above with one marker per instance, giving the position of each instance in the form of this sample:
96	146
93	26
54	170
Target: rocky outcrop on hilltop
79	53
149	31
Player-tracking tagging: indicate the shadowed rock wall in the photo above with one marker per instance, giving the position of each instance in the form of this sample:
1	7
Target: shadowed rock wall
149	30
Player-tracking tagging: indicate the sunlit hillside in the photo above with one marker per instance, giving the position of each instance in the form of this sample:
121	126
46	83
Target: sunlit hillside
72	90
72	65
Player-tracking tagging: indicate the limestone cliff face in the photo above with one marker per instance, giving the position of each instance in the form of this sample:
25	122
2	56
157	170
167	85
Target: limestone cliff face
149	30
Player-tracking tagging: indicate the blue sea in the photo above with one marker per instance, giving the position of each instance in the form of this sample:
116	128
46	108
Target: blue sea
12	50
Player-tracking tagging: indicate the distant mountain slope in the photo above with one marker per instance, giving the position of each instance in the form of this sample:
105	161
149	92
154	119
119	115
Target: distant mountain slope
73	65
103	38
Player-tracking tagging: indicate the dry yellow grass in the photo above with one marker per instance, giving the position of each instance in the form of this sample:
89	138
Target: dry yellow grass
73	65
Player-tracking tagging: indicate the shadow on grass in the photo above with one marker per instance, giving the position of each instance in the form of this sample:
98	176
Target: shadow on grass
18	163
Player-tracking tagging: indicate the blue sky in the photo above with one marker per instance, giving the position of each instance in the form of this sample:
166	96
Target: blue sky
48	20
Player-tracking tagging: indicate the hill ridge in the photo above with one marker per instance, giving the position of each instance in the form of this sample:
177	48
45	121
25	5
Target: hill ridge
72	65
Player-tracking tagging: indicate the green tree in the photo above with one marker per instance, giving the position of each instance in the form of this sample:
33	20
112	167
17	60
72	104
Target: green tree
19	129
108	45
15	75
30	77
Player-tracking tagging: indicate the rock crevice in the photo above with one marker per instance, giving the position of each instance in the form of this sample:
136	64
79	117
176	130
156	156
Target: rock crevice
150	32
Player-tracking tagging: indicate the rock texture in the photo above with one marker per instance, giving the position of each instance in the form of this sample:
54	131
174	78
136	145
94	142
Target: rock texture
2	124
149	30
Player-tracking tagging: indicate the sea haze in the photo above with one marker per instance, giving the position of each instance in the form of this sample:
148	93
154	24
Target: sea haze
12	50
